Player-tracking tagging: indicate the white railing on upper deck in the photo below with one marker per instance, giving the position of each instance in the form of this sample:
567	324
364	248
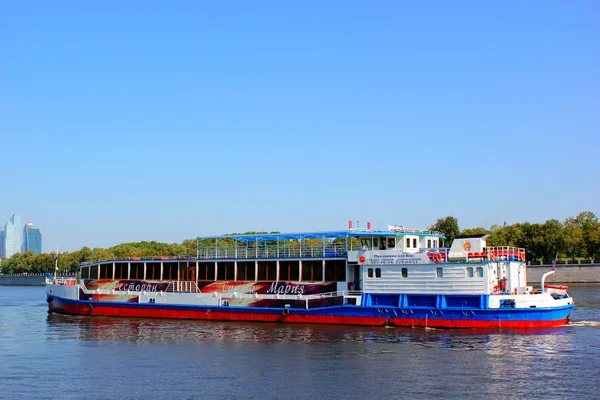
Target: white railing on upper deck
492	253
273	252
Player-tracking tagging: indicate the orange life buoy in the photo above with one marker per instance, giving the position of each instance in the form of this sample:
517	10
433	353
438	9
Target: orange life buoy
522	256
437	258
492	254
361	259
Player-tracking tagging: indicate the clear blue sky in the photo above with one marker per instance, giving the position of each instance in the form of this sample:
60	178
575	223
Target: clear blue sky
123	121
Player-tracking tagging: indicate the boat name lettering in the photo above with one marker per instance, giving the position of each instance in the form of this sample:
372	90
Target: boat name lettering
138	288
391	259
277	288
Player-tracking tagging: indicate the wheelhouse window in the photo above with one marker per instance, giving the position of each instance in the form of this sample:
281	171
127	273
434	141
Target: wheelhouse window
415	243
439	272
407	242
428	243
391	243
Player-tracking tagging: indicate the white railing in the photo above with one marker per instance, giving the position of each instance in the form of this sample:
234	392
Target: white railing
182	287
62	281
273	251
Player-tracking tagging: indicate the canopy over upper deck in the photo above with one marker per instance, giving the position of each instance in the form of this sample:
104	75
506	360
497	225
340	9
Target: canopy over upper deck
344	234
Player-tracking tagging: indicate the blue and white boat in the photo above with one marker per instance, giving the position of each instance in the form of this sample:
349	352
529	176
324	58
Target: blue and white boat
394	277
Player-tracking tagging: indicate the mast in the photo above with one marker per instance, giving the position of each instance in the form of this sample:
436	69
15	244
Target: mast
55	263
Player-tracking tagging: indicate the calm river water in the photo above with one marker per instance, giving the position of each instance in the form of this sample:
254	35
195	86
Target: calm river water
59	357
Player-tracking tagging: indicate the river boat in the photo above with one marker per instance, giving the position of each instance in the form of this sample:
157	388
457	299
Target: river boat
392	277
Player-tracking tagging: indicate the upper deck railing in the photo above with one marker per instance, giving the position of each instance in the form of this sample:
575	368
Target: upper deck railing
240	253
273	252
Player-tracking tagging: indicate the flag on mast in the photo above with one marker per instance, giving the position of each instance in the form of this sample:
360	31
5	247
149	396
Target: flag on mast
554	262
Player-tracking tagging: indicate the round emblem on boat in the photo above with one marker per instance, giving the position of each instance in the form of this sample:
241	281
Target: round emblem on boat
361	259
467	246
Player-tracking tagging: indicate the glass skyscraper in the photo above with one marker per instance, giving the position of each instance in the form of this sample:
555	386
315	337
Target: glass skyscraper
32	239
11	238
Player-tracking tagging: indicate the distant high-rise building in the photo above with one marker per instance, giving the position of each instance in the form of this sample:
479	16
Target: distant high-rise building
32	239
2	243
12	237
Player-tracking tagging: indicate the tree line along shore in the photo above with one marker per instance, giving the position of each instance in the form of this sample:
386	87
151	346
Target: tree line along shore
575	238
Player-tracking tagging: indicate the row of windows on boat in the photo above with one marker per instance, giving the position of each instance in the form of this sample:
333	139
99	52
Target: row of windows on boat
470	272
390	243
308	270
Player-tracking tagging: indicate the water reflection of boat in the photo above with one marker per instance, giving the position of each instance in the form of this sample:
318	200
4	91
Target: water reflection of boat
395	277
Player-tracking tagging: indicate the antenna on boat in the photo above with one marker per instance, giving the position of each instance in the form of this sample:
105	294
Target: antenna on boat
55	256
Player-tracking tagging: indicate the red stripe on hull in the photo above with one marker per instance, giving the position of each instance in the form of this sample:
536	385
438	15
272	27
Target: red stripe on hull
215	315
257	316
475	323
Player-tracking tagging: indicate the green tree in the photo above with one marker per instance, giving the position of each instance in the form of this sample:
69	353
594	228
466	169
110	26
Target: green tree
448	226
574	246
475	231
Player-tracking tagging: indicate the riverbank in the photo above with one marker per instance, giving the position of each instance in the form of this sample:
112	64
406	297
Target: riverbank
25	279
566	273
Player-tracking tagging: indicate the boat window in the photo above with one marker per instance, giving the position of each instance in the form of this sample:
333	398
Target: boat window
267	270
289	270
312	270
370	272
170	271
377	272
85	272
407	242
245	271
405	272
439	272
106	271
136	271
375	243
391	243
469	272
225	271
415	243
206	271
479	272
382	244
365	243
94	271
152	271
335	270
428	243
